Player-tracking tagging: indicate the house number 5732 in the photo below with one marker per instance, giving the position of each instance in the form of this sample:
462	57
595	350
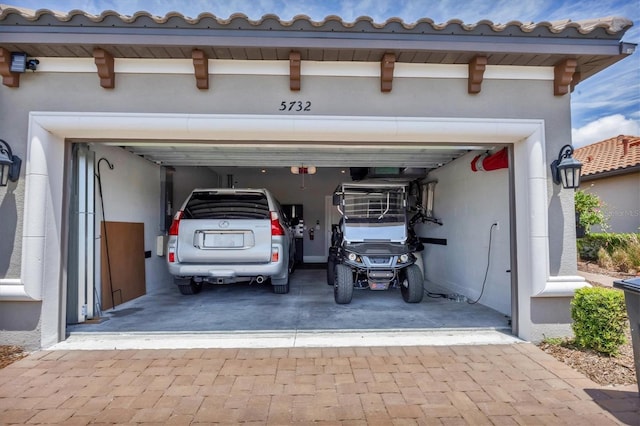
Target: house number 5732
295	106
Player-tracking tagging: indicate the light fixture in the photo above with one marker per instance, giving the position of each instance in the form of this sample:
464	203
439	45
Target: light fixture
303	170
566	169
20	63
9	164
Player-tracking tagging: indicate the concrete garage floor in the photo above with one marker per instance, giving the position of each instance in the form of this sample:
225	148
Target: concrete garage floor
308	306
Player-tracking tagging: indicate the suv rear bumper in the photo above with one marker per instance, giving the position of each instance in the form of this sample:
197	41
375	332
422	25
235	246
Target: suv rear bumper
276	270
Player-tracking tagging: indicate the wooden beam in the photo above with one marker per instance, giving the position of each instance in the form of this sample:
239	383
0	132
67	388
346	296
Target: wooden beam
294	71
386	72
104	62
200	68
9	79
563	75
577	78
476	73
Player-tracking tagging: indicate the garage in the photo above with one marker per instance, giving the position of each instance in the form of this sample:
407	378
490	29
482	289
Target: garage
156	107
309	305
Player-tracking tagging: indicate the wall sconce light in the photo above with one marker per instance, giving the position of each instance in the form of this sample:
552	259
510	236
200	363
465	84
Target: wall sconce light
566	169
9	164
303	170
20	63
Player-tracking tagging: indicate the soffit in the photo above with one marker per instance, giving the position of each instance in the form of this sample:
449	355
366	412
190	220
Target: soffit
595	44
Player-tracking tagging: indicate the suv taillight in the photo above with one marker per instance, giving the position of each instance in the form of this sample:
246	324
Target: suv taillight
175	225
276	228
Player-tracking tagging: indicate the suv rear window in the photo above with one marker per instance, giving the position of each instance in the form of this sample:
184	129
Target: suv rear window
214	205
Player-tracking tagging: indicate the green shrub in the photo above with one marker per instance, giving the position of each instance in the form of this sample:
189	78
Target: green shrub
590	210
590	245
621	261
633	250
604	259
599	319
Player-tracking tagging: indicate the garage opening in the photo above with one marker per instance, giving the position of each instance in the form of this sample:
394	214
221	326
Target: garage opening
126	192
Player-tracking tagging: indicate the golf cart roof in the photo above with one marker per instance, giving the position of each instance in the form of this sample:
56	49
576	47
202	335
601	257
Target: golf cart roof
377	183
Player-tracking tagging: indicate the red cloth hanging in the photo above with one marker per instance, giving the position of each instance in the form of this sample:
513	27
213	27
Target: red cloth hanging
485	162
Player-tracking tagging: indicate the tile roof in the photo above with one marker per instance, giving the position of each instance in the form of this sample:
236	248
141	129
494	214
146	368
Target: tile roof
611	26
594	44
610	155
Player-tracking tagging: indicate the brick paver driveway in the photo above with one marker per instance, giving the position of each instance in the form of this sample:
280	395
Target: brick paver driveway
453	385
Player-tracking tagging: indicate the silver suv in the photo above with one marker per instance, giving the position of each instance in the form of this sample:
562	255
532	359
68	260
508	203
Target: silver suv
224	235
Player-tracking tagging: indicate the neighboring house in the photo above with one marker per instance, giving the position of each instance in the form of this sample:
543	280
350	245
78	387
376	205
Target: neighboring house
611	170
174	103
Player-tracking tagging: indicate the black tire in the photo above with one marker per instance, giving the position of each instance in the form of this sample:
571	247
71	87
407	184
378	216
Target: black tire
343	287
412	288
191	288
281	288
331	271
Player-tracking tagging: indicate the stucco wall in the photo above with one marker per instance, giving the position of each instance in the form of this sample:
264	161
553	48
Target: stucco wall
621	196
328	95
263	94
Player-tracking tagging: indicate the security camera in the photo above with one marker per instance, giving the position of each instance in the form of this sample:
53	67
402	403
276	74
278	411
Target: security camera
32	64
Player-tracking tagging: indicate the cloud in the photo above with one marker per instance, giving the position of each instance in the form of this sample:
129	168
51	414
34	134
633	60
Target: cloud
605	128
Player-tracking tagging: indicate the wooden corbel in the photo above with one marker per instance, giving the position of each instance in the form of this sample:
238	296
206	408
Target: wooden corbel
577	78
104	62
200	68
9	79
476	73
294	71
563	75
386	72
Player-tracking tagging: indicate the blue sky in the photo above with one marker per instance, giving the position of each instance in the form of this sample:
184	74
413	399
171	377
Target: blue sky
605	105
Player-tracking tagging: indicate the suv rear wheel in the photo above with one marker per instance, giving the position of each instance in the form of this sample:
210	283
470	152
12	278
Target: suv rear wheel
281	288
190	287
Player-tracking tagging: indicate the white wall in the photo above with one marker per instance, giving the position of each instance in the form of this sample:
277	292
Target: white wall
132	193
468	203
186	179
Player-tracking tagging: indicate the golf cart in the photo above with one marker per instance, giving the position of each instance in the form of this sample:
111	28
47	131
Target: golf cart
374	246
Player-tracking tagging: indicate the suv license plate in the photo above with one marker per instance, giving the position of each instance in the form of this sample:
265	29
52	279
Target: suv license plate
223	240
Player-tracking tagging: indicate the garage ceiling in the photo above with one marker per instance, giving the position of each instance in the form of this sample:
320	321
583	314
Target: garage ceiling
289	154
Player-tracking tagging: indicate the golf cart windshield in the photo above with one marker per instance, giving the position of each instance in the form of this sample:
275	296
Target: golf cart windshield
374	213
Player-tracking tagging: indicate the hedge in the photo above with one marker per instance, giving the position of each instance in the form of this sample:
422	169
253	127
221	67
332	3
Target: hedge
599	319
589	245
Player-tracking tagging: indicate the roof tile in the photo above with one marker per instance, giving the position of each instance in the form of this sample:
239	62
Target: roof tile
612	25
617	153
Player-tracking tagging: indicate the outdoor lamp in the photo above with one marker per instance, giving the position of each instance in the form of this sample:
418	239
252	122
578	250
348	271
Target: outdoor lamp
566	169
20	62
9	164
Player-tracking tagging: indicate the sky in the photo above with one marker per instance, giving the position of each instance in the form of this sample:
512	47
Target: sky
603	106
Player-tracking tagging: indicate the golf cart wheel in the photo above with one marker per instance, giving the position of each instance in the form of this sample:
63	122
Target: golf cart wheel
412	287
343	287
191	288
331	271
